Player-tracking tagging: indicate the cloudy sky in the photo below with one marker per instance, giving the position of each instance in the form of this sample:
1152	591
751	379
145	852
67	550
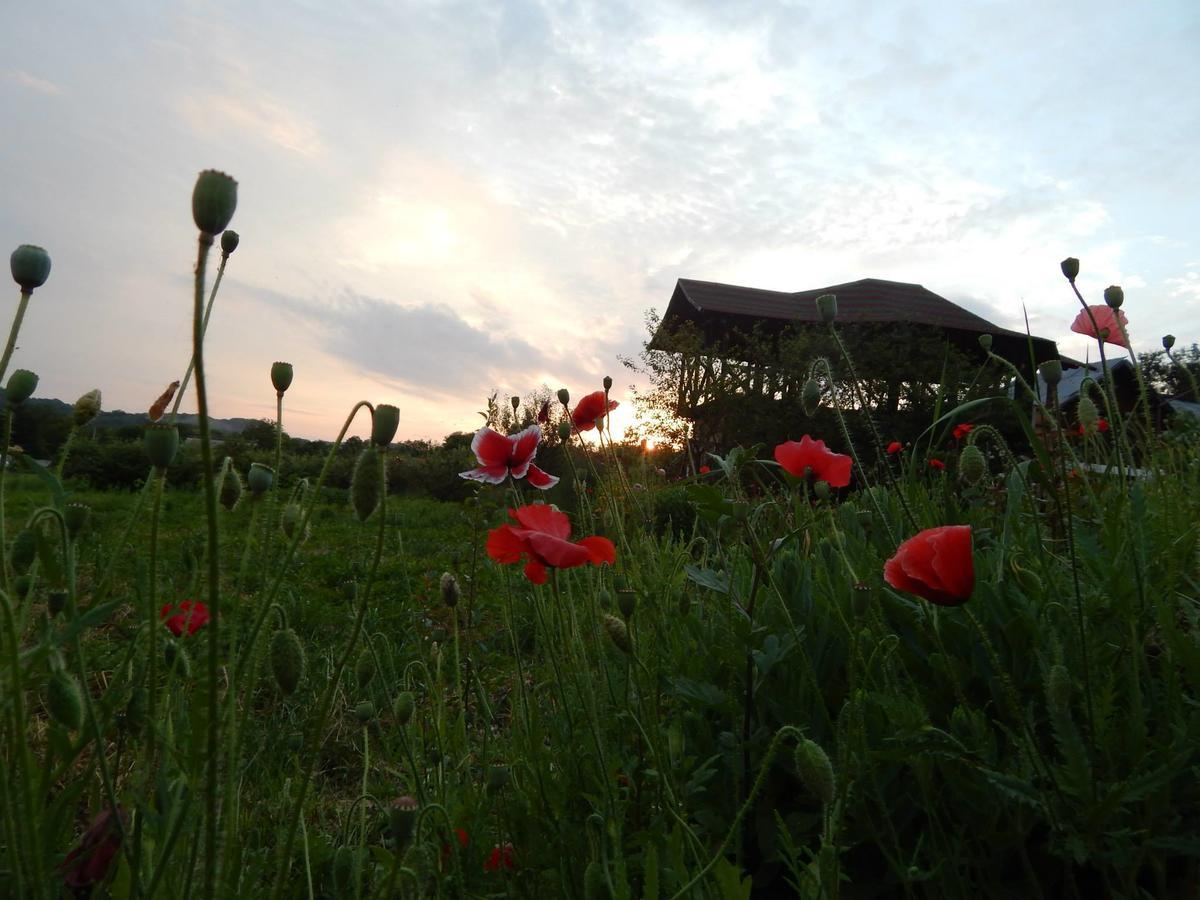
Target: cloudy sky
438	199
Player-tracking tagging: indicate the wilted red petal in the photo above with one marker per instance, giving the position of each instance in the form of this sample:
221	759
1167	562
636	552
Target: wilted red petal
491	448
540	479
505	545
545	519
600	549
557	552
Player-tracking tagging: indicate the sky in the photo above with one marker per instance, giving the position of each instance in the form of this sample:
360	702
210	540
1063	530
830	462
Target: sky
437	200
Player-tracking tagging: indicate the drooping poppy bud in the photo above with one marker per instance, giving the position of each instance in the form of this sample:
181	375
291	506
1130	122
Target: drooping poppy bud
971	464
231	488
229	242
290	518
366	484
162	443
985	341
214	200
64	700
402	818
259	479
810	396
384	423
21	385
1051	372
827	307
76	516
1028	580
1168	342
30	267
1070	268
815	771
618	633
403	707
86	408
450	590
1114	296
564	396
287	660
281	377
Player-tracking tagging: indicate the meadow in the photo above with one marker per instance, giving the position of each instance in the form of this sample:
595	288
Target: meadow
814	669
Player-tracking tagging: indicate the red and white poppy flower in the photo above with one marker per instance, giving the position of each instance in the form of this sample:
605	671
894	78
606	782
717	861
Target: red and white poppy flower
500	456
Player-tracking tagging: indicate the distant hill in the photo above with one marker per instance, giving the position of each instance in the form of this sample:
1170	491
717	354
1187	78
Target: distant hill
117	418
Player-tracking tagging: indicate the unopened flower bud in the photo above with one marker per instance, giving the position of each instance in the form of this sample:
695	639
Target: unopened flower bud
450	590
403	706
87	408
1168	342
985	341
564	431
259	479
402	819
1070	268
21	385
287	660
281	376
231	488
815	771
1088	414
214	200
1051	372
384	423
564	396
64	700
289	519
618	633
607	382
364	712
1026	579
162	443
827	307
229	242
971	464
366	484
1114	296
822	490
30	267
810	396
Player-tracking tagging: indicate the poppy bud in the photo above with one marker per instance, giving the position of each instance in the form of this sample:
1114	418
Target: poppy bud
1088	415
21	385
343	871
985	341
162	443
260	478
1114	296
626	603
364	668
1168	342
402	818
214	200
289	519
23	550
384	423
403	707
450	590
810	396
56	602
231	488
229	242
176	657
564	431
1051	372
607	382
618	633
564	396
76	516
281	376
366	485
971	464
515	401
287	660
827	307
821	489
1058	689
64	700
1026	579
815	771
30	267
497	778
1070	268
364	712
87	408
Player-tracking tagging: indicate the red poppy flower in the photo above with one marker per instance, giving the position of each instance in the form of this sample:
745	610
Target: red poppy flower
500	857
88	863
937	464
806	455
543	415
463	840
961	431
894	447
500	456
1101	425
591	410
190	616
1110	323
936	564
704	470
543	540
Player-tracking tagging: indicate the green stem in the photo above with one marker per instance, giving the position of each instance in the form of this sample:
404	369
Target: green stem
4	579
12	333
187	375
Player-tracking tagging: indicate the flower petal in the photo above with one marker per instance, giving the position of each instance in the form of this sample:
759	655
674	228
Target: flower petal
487	474
491	448
556	551
538	517
600	549
953	560
535	571
506	545
524	448
540	479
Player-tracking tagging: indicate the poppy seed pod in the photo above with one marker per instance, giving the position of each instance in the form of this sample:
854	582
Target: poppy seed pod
86	408
497	779
627	603
971	464
985	341
810	396
231	488
30	267
259	478
1168	342
450	590
402	818
281	376
21	385
1114	296
287	660
64	700
815	771
403	707
1051	372
364	712
860	598
515	401
607	382
564	396
827	307
229	242
1070	268
564	431
162	443
822	490
366	484
214	200
76	516
384	422
618	633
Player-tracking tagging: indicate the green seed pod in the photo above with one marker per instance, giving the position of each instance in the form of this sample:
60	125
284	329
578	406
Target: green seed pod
231	488
1114	296
626	603
77	516
822	490
403	707
384	423
364	668
497	779
618	633
860	598
64	700
214	200
281	376
1168	342
810	396
259	479
229	242
564	431
21	385
1058	689
402	818
515	401
364	712
56	602
827	307
86	408
595	884
287	660
1051	372
30	267
971	464
564	396
289	519
366	485
450	590
177	659
607	382
162	444
815	770
1070	268
985	341
1089	415
23	550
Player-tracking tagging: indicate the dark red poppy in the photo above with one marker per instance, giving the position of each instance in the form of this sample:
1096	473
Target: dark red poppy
189	616
704	470
500	857
463	840
543	415
1111	325
937	564
807	456
894	447
500	456
937	464
591	410
88	863
961	431
543	539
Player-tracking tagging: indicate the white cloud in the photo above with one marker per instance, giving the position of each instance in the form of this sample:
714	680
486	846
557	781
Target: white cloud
32	82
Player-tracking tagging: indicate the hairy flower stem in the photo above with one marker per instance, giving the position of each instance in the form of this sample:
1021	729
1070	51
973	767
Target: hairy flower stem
748	699
187	375
273	510
22	765
12	332
5	581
